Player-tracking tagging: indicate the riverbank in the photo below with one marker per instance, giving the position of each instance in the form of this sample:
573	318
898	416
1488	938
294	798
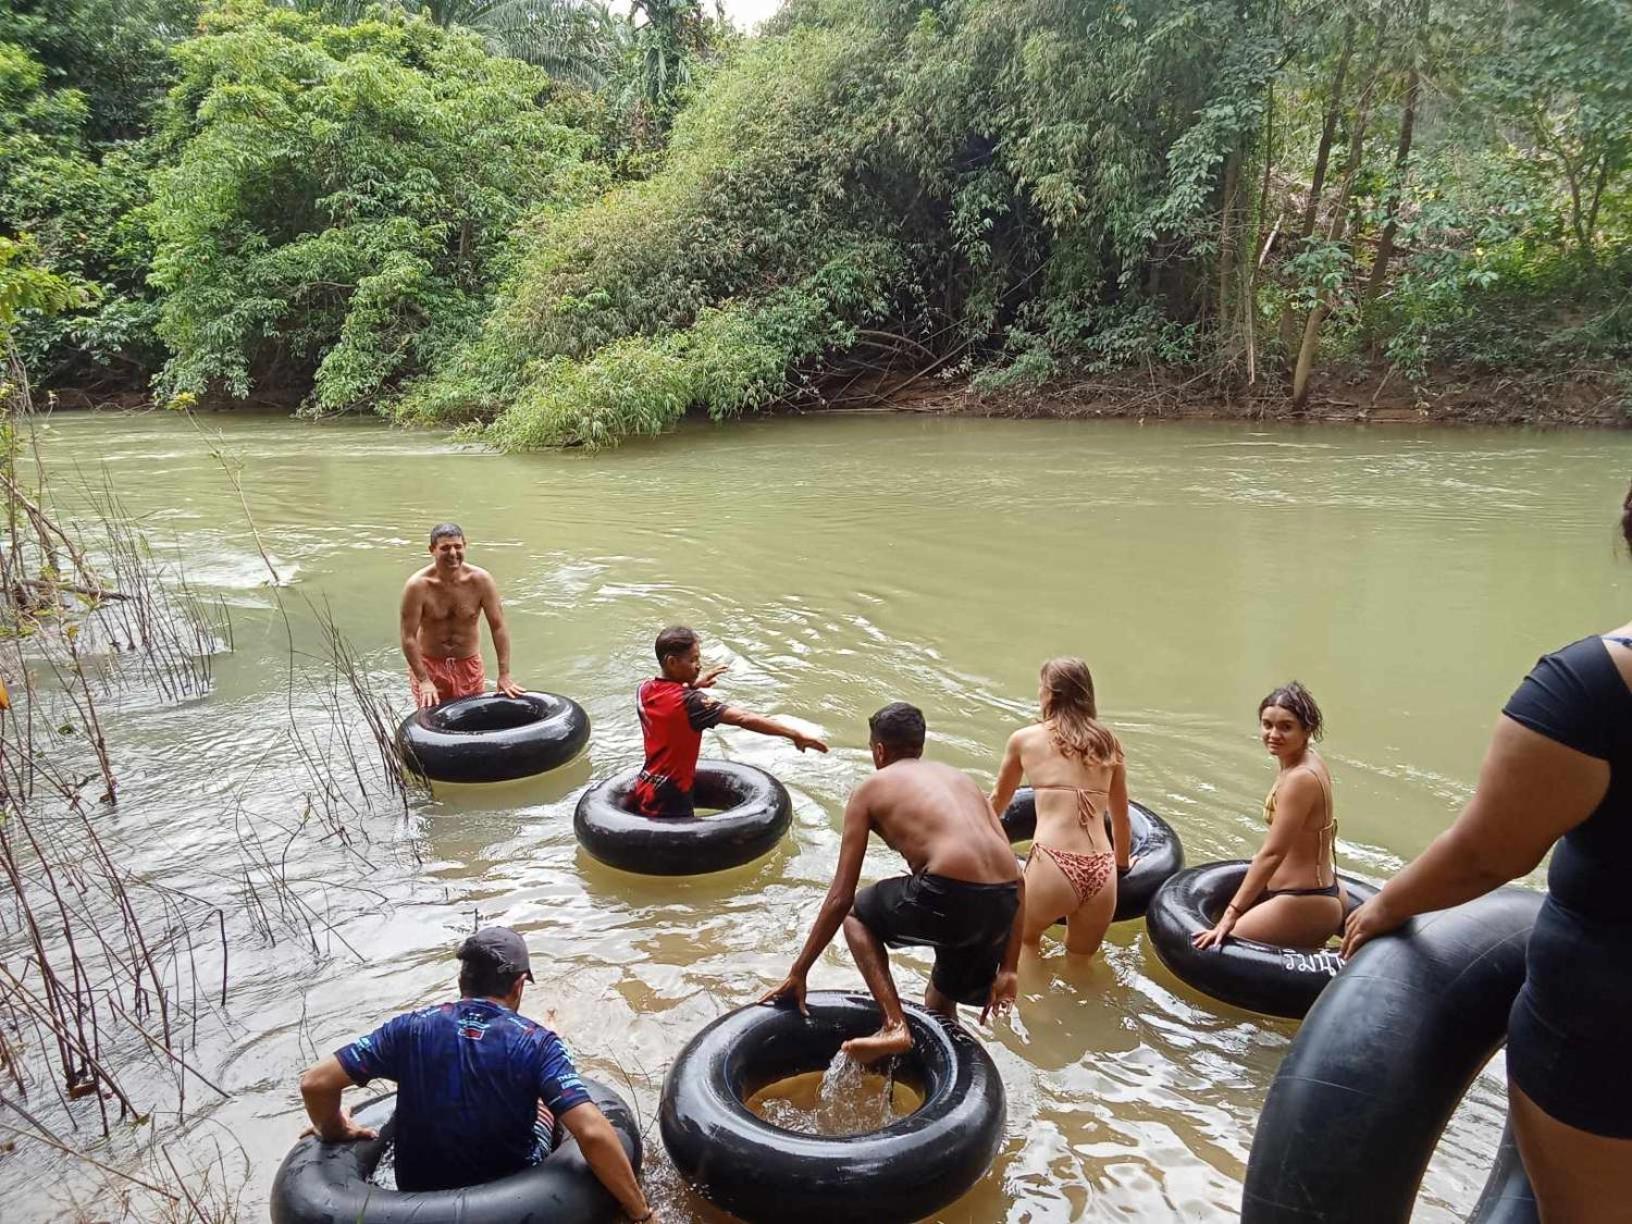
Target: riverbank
1584	397
1580	398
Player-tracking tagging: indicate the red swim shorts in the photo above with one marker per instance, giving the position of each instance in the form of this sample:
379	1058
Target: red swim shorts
454	677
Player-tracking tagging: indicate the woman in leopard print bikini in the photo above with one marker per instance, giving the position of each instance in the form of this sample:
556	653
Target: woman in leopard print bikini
1075	765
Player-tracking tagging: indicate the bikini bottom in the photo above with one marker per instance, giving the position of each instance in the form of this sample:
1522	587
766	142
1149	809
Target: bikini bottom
1329	891
1088	873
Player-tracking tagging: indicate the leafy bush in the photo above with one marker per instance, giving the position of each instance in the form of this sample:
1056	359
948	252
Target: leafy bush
754	243
928	166
347	203
734	358
341	197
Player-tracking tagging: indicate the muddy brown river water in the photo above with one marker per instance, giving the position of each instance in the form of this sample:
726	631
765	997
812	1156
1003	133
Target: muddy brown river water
1408	577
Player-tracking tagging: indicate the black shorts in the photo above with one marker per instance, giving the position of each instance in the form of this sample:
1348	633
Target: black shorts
968	925
661	797
1566	1040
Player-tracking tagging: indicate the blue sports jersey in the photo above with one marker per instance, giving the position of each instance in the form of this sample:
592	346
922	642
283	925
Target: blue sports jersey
469	1078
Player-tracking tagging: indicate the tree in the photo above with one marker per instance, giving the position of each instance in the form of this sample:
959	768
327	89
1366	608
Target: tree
1330	260
341	198
27	287
115	53
1417	35
80	201
574	40
1561	84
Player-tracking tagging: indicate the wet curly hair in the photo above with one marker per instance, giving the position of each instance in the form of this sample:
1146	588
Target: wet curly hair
1300	703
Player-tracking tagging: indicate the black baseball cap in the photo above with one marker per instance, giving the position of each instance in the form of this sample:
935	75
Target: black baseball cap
498	948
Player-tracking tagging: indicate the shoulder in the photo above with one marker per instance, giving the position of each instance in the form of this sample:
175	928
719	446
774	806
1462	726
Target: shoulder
476	574
871	787
1576	696
406	1023
538	1038
418	580
526	1027
1588	654
1027	737
1577	674
657	688
1302	783
699	700
427	1016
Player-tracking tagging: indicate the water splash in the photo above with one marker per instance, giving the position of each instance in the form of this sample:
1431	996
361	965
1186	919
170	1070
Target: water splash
848	1099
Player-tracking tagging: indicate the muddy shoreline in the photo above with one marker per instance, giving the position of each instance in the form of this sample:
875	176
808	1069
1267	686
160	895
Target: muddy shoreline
1590	398
1585	399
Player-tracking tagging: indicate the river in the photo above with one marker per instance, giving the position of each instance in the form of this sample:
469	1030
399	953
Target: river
1408	577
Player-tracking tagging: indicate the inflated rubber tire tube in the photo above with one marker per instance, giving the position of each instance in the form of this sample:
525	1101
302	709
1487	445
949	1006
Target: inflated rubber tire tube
755	813
493	738
1155	844
1259	977
759	1172
1378	1068
327	1183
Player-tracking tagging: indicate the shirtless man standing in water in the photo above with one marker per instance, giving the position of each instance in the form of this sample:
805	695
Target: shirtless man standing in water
964	898
440	637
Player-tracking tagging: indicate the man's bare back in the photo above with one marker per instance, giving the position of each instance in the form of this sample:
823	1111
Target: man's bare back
963	899
937	819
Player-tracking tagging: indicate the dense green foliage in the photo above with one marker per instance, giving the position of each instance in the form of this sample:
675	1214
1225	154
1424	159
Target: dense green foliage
341	197
561	225
1032	188
79	81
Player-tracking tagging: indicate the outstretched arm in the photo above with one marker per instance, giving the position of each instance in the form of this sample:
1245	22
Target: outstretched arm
1009	773
320	1087
841	895
493	609
604	1152
1532	790
769	726
409	616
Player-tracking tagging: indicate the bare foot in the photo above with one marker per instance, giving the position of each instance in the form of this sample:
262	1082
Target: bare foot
891	1039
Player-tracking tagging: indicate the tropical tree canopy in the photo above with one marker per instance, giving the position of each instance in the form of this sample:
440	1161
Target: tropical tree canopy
558	223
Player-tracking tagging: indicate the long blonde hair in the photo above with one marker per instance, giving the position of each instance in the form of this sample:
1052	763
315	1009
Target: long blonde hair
1073	715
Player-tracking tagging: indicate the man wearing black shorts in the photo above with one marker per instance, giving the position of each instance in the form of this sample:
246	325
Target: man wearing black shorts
964	897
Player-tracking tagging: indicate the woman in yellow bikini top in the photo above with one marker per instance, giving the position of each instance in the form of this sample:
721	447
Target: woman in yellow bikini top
1325	838
1291	894
1075	765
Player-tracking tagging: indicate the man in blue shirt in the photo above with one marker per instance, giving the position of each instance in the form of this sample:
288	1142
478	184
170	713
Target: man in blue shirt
479	1087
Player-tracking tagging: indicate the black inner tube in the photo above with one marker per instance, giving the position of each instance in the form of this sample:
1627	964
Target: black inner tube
755	815
493	738
328	1183
1375	1073
1268	978
1156	846
904	1171
490	714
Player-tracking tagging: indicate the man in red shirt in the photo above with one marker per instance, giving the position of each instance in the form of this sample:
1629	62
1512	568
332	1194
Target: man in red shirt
674	713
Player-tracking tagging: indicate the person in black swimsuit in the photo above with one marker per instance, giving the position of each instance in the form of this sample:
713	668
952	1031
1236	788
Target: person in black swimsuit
1559	769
